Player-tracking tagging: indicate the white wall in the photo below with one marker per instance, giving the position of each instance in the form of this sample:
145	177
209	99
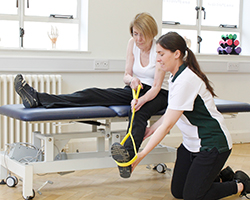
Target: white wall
109	24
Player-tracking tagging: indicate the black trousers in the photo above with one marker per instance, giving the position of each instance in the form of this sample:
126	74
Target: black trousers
108	97
194	175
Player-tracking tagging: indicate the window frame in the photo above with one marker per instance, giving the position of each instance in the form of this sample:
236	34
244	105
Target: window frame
80	20
198	27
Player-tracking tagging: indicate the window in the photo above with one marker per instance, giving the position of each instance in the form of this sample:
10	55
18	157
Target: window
44	24
203	22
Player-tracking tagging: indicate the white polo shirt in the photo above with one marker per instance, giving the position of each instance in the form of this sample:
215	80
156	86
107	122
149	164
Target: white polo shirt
201	124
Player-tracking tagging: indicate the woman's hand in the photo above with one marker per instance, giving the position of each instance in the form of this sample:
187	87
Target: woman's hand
137	161
148	132
137	104
135	82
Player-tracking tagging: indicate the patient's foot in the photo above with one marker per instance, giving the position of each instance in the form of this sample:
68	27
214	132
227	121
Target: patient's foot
28	94
121	155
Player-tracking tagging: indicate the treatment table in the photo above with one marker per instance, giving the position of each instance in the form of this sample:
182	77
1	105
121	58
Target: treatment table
50	161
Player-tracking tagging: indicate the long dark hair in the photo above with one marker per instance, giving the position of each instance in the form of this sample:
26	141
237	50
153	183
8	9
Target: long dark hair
173	41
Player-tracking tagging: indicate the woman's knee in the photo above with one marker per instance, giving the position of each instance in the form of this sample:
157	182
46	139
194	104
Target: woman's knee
177	193
187	195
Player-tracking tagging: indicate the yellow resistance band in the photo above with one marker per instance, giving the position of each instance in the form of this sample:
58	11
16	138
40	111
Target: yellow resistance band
135	96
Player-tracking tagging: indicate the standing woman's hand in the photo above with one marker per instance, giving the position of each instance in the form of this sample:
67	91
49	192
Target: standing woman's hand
148	133
137	161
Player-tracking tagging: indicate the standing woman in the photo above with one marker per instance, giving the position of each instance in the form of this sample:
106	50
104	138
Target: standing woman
206	141
140	69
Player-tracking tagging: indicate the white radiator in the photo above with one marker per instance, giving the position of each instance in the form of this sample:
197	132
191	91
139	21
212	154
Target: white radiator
12	130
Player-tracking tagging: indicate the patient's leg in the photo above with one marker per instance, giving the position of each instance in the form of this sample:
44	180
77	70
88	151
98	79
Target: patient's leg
118	152
28	94
88	97
141	118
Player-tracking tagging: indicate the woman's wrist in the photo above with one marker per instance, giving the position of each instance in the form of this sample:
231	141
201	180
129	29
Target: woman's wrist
142	154
130	81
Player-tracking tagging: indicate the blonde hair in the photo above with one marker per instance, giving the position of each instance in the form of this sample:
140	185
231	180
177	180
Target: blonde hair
146	24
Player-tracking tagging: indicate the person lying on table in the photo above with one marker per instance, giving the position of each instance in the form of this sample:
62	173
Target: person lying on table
141	69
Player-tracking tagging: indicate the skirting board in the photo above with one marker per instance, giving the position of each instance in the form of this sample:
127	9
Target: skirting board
238	136
241	136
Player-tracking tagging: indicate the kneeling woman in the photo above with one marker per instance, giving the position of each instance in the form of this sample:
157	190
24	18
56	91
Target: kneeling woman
206	141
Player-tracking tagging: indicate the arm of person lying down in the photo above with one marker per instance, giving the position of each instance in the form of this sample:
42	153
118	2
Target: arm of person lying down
154	90
166	123
128	75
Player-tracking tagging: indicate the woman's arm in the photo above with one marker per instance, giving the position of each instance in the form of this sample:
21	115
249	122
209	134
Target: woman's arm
152	93
150	130
167	122
129	63
128	78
